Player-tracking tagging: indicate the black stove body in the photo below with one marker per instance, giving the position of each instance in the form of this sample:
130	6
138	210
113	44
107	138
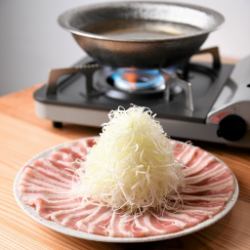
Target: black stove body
202	101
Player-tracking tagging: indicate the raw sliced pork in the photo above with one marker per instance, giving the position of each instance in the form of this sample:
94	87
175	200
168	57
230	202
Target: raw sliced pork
48	185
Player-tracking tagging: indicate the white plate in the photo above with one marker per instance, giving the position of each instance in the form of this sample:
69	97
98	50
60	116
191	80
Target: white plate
30	211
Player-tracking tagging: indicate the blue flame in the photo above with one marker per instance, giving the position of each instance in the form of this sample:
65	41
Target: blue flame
147	79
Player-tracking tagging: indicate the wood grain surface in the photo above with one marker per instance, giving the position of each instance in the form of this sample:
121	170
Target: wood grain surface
22	135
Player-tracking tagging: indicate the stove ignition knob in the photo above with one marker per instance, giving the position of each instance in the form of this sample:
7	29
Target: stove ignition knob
232	128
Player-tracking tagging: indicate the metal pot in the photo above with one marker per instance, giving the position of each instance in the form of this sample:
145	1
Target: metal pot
140	34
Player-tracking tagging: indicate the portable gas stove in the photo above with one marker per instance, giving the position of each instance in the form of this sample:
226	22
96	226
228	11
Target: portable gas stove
209	102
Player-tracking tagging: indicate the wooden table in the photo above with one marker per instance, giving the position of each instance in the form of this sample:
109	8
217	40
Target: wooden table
22	135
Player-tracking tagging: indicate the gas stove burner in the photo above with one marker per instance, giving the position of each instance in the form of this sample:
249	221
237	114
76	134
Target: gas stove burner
130	84
203	101
137	80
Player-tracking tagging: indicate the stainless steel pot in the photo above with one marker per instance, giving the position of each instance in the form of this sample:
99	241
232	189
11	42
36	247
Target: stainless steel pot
140	34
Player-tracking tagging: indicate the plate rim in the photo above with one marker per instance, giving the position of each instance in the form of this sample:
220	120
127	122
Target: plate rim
31	212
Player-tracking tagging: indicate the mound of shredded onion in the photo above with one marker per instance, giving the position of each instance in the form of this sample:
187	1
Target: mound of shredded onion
132	165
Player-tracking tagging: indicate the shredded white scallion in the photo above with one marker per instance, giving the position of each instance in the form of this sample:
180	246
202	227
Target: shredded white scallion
132	166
